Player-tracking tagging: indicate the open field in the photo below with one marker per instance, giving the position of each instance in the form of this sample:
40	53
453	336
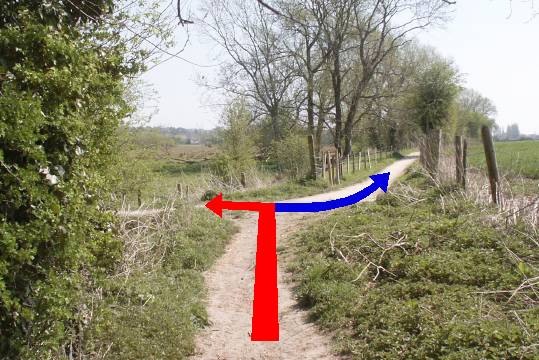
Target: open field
515	158
161	168
190	165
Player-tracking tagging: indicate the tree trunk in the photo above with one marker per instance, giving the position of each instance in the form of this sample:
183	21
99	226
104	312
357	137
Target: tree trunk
318	134
274	117
320	123
310	116
336	78
312	160
347	139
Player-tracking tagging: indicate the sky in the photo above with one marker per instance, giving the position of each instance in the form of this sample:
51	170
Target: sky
494	45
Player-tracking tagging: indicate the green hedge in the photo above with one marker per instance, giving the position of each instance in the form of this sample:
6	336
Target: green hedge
61	101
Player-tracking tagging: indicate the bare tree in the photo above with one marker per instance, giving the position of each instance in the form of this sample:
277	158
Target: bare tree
472	100
283	52
260	68
355	37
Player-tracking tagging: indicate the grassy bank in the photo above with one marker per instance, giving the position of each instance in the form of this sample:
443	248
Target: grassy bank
152	307
294	189
420	274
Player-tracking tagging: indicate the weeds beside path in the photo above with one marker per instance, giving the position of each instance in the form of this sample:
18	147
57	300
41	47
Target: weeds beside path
151	307
421	274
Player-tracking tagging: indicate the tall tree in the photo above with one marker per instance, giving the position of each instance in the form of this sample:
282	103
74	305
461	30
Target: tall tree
382	27
301	21
260	68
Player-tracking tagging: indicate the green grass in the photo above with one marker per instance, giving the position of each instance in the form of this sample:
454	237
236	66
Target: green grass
293	189
155	312
188	164
515	158
426	300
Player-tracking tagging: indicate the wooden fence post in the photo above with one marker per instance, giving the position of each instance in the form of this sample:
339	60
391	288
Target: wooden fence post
492	166
348	164
369	157
422	150
339	167
242	179
353	162
458	159
464	162
328	158
310	140
323	165
336	168
431	149
364	154
330	168
139	198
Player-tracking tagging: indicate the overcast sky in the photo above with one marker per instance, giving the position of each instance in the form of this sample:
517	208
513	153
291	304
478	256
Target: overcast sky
496	48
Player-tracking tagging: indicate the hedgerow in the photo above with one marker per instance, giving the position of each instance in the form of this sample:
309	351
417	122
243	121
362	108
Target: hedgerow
61	101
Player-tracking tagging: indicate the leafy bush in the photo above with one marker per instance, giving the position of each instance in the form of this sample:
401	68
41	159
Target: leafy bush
61	101
238	146
292	156
433	95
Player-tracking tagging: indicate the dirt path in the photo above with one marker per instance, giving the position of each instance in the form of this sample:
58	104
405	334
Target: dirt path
230	284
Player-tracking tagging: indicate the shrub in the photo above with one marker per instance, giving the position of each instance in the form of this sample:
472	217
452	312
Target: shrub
237	146
153	308
291	156
61	101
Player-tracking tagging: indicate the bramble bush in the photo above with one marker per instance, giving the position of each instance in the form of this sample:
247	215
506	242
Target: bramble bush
61	101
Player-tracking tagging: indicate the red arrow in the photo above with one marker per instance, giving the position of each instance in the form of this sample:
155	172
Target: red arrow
217	204
265	322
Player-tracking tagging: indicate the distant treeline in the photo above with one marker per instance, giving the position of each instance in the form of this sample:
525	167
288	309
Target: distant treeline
512	133
148	136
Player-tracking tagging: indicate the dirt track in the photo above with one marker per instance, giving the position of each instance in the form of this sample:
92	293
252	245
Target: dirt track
230	284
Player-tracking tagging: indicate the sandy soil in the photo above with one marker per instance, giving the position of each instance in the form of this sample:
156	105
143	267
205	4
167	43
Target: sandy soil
230	284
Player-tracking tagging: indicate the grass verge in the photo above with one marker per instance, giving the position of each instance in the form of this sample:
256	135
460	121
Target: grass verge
300	188
153	306
420	274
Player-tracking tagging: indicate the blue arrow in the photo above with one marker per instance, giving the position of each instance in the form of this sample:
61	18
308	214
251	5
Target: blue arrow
379	181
